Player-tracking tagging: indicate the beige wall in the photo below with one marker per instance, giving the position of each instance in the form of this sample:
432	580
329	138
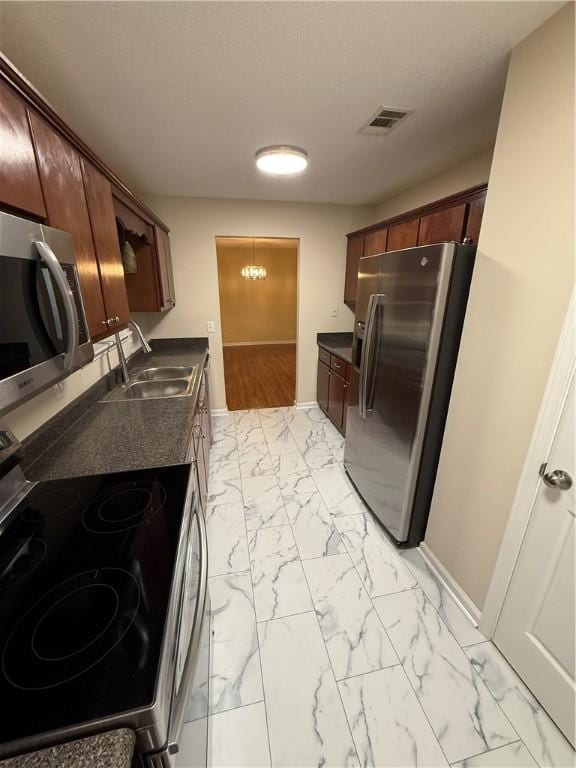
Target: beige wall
468	173
195	223
520	292
256	311
28	417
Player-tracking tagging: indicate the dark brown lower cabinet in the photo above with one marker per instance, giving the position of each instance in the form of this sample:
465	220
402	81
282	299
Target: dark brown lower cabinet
336	396
333	387
322	385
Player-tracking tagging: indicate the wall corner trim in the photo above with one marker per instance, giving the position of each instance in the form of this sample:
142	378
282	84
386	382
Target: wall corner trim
464	601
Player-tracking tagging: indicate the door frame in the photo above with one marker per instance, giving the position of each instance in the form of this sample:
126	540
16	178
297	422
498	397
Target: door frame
297	240
555	394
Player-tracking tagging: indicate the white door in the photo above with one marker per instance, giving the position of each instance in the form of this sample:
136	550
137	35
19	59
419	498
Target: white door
535	630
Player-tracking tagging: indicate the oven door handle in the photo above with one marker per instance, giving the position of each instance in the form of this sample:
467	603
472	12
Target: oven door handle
192	653
49	258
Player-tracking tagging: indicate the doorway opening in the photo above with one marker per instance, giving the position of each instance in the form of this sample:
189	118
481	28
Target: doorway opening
258	286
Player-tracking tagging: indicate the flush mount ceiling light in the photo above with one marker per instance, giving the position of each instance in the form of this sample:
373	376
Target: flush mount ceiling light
281	160
253	271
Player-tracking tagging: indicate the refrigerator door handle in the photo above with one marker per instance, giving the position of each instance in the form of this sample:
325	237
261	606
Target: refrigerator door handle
373	302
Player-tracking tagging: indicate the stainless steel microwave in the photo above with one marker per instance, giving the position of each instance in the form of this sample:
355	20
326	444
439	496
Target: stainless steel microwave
43	331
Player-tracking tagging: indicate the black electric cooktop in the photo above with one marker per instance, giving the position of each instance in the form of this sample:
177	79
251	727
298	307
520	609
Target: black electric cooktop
86	568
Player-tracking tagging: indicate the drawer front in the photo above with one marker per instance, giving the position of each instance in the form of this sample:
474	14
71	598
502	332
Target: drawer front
338	365
323	355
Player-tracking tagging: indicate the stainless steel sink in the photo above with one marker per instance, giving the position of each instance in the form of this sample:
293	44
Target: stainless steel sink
163	374
145	390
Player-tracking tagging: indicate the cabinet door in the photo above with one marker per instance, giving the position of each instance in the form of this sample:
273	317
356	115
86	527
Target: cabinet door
105	236
19	178
337	388
61	177
474	220
403	235
446	225
322	384
354	253
171	289
164	267
142	286
345	405
375	242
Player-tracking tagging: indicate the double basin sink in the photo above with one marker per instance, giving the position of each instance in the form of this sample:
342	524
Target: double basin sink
149	383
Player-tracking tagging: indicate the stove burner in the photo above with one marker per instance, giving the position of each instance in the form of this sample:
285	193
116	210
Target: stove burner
71	628
124	507
19	558
53	503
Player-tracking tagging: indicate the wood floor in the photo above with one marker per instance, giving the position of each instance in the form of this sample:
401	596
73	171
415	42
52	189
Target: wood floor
262	376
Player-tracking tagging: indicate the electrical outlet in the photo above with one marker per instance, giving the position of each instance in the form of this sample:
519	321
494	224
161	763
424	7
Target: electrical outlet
333	311
58	390
211	326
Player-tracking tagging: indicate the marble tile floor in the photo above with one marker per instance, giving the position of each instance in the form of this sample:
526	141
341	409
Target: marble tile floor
331	647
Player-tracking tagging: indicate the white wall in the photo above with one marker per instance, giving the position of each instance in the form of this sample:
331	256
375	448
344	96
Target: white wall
465	174
520	292
321	230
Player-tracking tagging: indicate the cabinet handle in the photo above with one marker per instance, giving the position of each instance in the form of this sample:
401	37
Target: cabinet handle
110	322
117	319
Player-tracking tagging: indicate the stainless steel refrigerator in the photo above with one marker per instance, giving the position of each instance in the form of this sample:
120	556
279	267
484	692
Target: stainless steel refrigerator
410	309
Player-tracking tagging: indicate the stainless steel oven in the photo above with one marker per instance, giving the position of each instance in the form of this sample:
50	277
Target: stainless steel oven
139	539
43	331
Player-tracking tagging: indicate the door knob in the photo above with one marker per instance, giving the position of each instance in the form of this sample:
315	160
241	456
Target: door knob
558	479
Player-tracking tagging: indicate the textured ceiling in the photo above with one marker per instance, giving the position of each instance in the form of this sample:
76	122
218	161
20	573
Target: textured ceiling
177	96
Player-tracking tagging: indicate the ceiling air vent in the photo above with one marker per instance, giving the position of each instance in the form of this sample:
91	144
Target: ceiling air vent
383	121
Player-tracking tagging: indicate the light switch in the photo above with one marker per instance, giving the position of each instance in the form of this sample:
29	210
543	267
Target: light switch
211	326
333	311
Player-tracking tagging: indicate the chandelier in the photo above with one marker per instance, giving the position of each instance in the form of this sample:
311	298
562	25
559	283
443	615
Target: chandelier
253	271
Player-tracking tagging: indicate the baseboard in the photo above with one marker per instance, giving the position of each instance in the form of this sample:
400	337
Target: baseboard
256	343
457	593
311	404
219	411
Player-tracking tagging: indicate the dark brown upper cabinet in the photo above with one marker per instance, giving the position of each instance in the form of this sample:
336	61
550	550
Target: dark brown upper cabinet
20	187
375	242
105	236
442	226
403	235
67	209
456	218
151	287
164	256
474	220
354	253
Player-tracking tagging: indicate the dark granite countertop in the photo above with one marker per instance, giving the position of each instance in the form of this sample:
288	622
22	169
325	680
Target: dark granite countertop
339	344
91	436
107	750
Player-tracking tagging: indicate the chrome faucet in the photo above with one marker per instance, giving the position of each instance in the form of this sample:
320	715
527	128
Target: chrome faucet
125	375
145	346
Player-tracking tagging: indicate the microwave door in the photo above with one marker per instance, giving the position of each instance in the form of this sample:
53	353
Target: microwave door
25	336
60	283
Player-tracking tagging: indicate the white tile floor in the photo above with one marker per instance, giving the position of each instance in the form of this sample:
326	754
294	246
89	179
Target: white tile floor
331	647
